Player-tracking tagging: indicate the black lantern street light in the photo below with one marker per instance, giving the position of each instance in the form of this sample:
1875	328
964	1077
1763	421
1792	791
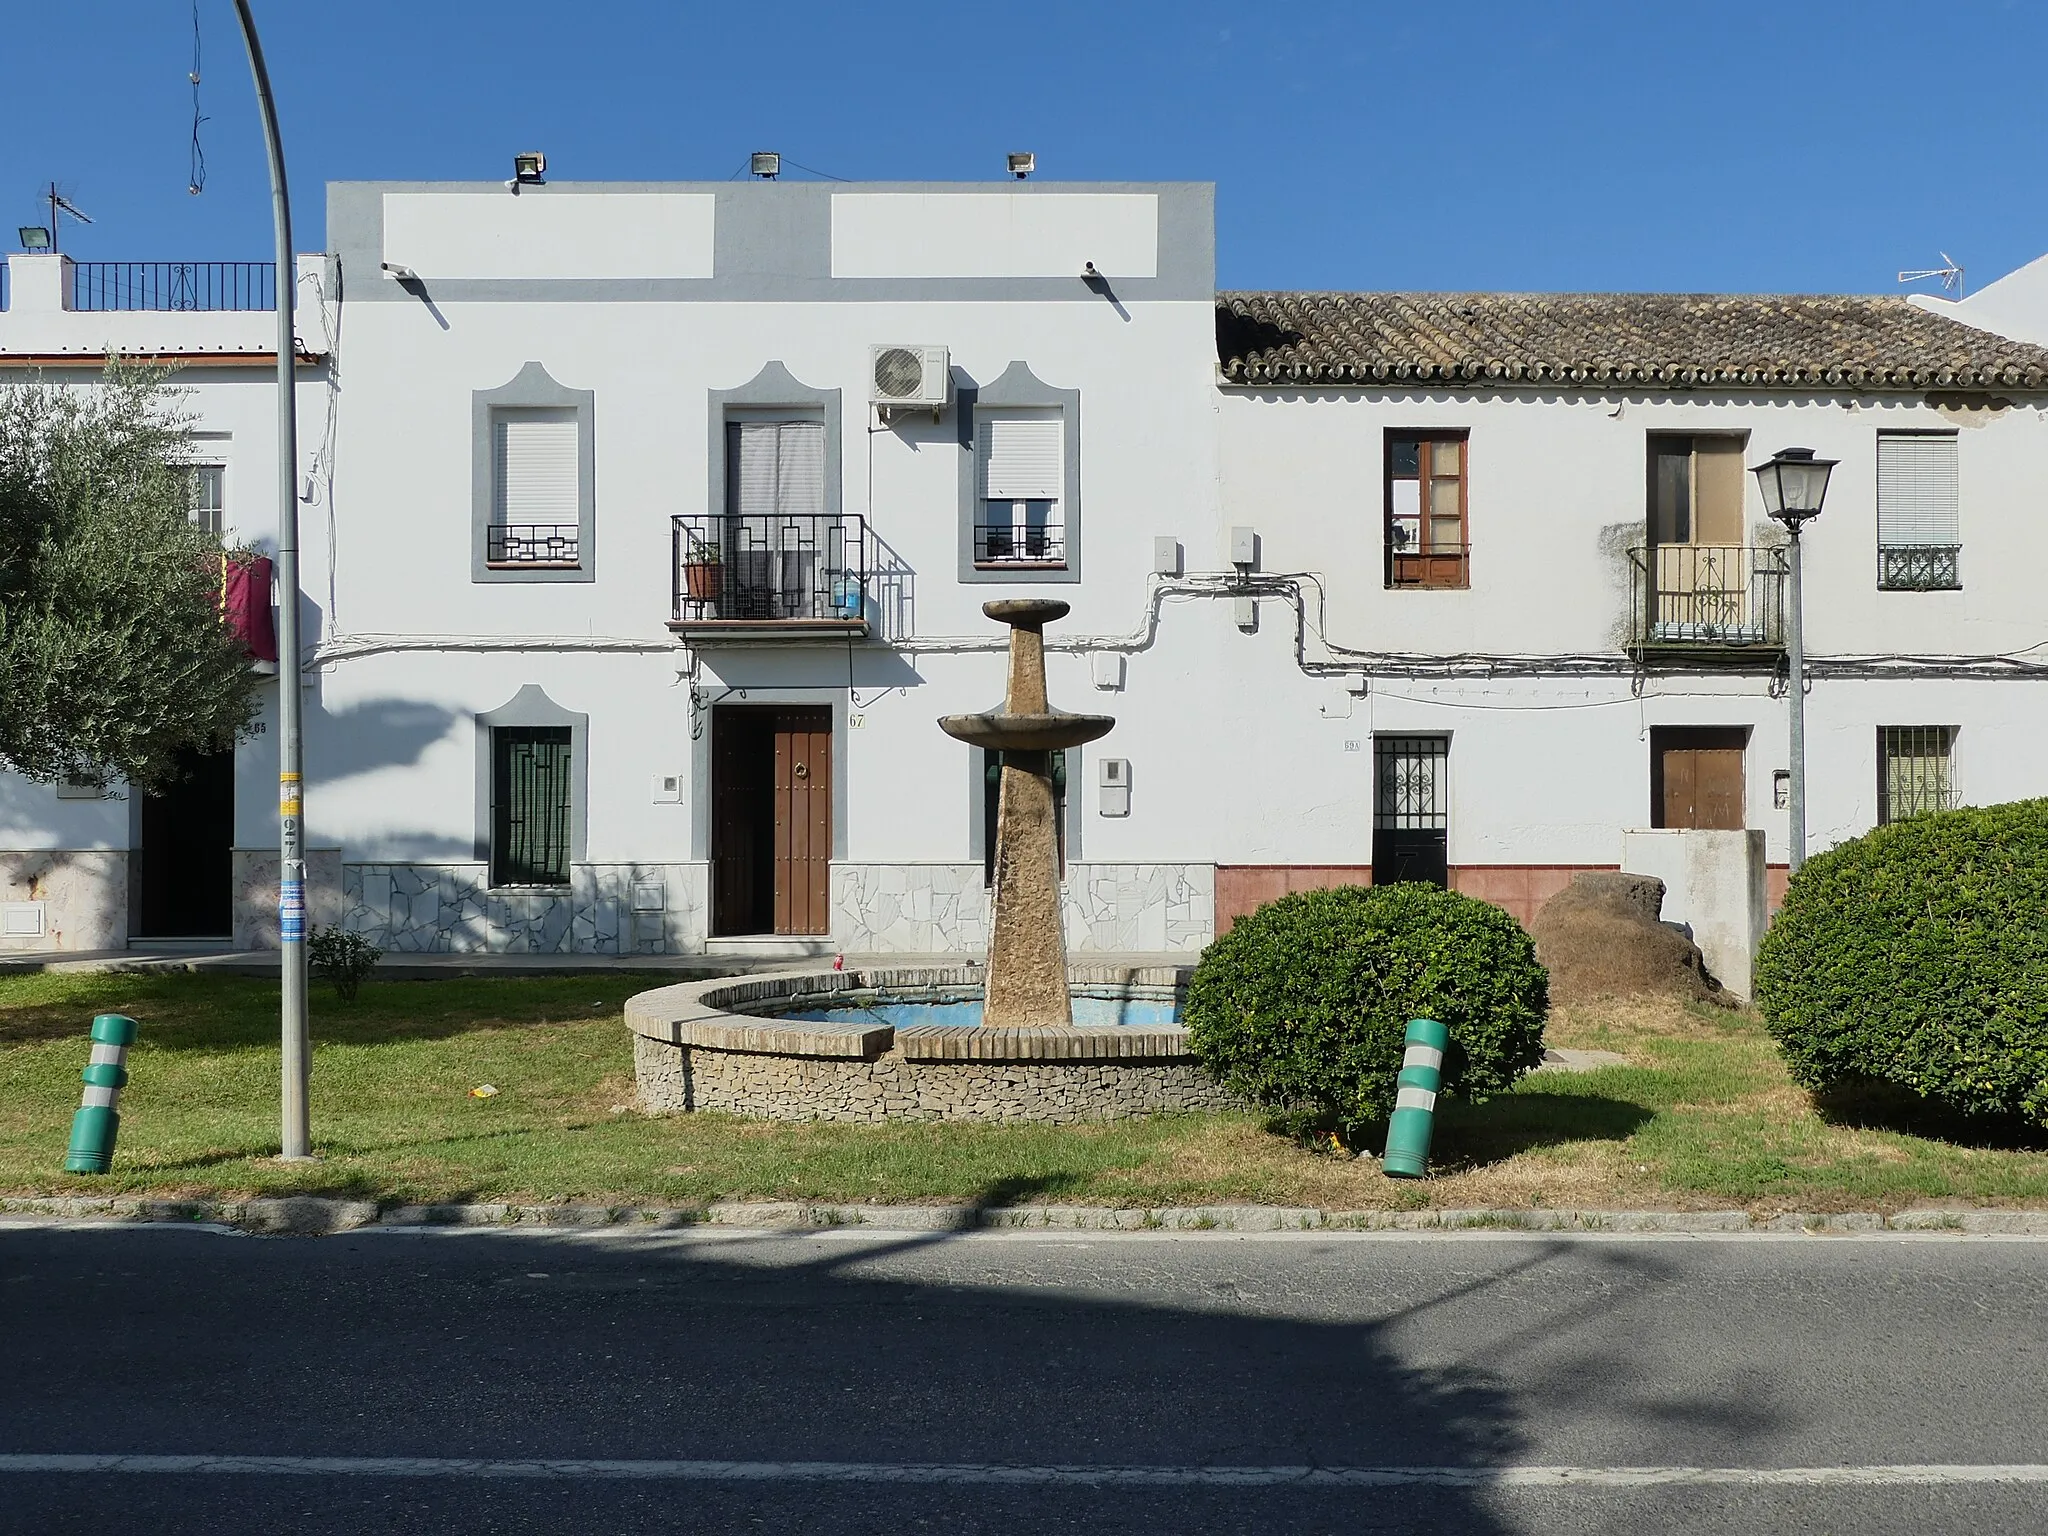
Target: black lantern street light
1794	484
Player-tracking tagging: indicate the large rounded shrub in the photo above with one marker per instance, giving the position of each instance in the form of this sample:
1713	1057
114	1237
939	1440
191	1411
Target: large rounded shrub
1304	1004
1917	955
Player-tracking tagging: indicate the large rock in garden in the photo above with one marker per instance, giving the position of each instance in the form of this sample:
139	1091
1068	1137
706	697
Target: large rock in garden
1601	936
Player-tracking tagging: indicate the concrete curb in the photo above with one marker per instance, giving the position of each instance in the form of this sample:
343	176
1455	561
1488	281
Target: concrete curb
315	1216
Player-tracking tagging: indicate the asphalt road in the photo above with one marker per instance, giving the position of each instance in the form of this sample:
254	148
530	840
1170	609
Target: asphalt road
982	1383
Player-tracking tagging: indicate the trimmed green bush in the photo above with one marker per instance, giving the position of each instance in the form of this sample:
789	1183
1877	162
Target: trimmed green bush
343	957
1304	1004
1917	955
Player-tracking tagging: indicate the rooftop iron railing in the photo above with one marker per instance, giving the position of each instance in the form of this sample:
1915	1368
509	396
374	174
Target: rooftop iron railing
761	567
173	285
1712	597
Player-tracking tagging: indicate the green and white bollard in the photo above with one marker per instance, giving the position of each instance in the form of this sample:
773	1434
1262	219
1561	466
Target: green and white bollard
98	1119
1422	1074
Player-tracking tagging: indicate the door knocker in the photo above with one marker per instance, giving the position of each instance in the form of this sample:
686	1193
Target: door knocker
802	770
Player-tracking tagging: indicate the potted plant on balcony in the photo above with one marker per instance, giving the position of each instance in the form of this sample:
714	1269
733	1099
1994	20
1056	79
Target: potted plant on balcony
701	568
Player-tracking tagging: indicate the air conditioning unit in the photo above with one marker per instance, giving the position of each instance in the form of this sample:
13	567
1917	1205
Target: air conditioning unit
909	378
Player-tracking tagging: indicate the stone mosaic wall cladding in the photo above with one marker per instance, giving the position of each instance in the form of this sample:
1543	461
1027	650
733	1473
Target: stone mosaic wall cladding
674	1078
255	882
606	909
83	893
936	909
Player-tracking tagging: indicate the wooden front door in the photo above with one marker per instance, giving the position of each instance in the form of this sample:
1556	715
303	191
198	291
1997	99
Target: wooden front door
184	866
1696	777
771	819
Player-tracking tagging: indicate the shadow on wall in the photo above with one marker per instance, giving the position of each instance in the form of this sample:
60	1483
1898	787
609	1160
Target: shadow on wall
378	733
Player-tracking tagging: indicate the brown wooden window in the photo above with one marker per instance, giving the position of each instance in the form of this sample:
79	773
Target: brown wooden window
1426	529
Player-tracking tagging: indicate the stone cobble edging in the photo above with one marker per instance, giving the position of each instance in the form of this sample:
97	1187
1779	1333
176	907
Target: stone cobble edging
309	1215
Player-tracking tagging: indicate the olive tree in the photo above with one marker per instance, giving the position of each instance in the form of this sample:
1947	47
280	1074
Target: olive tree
113	654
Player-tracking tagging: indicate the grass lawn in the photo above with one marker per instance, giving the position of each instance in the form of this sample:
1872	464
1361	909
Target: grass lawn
1703	1115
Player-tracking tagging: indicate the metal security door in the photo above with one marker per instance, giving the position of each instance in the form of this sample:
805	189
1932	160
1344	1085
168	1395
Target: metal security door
1696	777
1411	810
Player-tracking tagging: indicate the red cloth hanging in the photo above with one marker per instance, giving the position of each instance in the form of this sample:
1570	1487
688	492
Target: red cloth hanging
245	604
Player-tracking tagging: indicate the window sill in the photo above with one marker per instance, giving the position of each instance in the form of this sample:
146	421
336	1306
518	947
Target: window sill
1461	585
533	565
529	889
1020	565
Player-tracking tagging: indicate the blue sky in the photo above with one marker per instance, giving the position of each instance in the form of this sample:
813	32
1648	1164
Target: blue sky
1480	145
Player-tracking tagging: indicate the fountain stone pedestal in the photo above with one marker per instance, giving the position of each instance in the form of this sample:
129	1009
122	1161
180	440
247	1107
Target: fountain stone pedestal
1027	954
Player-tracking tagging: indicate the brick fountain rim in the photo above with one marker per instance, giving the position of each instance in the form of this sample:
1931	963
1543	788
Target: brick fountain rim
740	1014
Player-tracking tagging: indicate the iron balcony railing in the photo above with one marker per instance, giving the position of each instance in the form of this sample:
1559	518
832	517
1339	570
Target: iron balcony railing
1705	596
173	285
768	568
1030	547
549	546
1919	567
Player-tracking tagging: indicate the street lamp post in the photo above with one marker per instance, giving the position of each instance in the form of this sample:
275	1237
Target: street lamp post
1794	484
295	1134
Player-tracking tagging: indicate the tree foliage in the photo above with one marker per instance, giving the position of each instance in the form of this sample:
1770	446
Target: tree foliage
1305	1003
113	654
1917	955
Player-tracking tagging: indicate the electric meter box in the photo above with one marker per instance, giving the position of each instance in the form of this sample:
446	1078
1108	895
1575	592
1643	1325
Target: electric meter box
1115	786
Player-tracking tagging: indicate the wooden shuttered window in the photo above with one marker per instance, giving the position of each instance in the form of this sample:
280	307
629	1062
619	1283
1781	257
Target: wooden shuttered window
1426	526
1020	470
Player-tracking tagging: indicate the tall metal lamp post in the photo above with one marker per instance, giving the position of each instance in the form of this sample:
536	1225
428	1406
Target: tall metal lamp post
295	1134
1794	484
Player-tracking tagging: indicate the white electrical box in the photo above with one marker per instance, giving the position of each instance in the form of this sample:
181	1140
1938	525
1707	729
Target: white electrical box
1166	557
1244	547
1107	670
666	789
1115	782
1246	611
23	920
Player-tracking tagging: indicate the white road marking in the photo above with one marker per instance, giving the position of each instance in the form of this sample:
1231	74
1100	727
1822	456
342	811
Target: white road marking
564	1469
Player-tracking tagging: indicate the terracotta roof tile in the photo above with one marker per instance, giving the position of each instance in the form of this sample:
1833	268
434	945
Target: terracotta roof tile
1667	340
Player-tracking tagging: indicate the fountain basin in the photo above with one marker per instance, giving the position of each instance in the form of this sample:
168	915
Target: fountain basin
882	1044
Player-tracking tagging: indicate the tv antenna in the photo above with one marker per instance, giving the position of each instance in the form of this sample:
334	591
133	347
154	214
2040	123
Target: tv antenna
1951	275
59	203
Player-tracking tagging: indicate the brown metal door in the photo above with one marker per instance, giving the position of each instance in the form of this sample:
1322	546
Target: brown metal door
1696	777
803	821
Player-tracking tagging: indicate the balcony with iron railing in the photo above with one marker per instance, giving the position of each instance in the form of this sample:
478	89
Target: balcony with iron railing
769	576
1707	601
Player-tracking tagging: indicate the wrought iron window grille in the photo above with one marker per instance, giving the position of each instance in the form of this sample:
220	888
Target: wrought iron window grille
1914	771
1919	568
551	546
1033	546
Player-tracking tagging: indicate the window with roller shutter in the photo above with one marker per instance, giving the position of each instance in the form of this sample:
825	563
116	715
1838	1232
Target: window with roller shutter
535	493
1919	525
1020	467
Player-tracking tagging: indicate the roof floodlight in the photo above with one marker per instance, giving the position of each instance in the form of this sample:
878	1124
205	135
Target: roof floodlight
531	169
765	164
1023	163
34	237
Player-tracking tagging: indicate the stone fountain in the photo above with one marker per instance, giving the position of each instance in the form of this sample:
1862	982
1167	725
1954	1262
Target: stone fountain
997	1042
1027	952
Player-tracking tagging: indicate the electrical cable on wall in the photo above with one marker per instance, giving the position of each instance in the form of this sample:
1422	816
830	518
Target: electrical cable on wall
196	182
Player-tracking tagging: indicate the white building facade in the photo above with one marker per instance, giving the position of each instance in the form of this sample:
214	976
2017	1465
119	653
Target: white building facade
655	521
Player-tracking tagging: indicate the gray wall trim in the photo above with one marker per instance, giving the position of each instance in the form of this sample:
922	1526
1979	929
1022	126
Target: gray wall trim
1018	386
531	706
771	242
773	389
532	387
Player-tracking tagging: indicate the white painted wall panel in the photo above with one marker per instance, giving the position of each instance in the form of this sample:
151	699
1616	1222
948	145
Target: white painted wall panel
994	234
551	234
